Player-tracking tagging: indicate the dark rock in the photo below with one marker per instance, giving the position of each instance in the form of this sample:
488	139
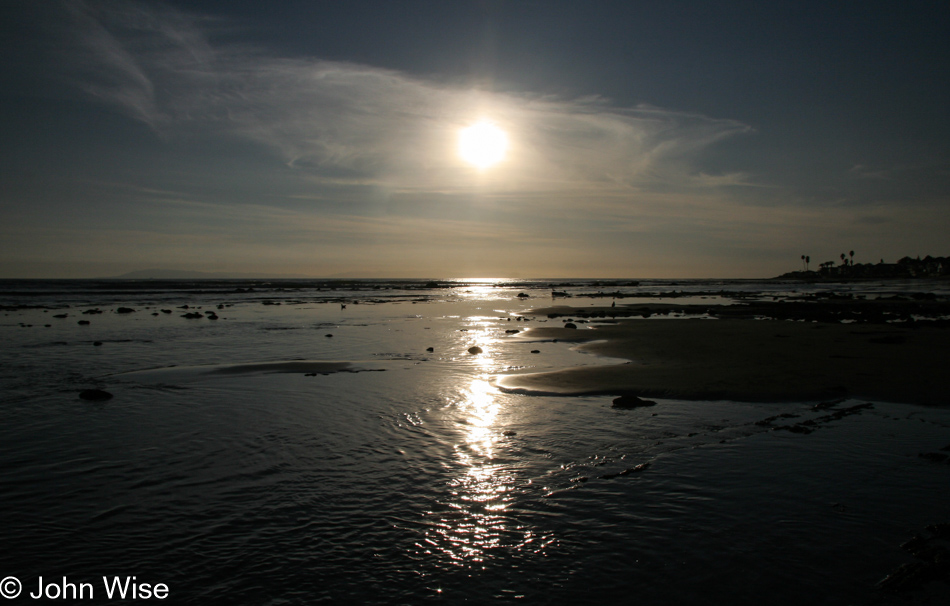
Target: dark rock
932	553
908	576
829	404
626	472
535	351
570	325
97	343
509	433
914	544
95	395
630	401
61	315
328	335
124	310
522	295
166	311
83	322
635	469
430	349
475	350
935	457
795	429
194	315
941	531
512	331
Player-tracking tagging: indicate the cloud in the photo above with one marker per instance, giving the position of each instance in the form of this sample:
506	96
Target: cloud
345	123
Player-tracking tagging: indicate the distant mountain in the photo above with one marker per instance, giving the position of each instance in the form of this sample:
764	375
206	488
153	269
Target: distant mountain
180	274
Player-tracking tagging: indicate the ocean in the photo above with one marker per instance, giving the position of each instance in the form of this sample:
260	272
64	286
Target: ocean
238	463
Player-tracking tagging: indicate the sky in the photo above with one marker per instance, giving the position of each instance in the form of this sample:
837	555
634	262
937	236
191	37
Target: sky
671	139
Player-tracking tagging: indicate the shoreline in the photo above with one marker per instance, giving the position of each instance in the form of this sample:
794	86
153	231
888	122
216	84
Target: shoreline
738	358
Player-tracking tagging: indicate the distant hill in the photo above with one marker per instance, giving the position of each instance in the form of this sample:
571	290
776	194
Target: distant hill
180	274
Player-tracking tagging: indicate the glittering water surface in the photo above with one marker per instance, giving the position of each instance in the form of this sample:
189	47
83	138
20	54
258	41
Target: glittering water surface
412	478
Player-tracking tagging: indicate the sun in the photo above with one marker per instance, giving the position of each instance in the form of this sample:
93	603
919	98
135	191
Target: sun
482	144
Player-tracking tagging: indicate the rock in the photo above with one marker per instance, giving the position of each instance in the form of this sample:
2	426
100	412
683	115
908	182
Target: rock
328	335
630	401
908	576
97	343
61	315
509	433
83	322
915	544
535	351
166	311
570	325
522	295
430	349
829	404
124	310
95	395
634	469
935	457
194	315
475	350
512	331
941	531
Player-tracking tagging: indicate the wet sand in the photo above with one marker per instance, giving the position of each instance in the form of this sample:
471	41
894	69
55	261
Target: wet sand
747	360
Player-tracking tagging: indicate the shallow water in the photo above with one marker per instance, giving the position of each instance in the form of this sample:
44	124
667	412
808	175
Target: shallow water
415	480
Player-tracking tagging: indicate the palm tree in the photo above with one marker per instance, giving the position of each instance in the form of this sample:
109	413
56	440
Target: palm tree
805	267
852	258
807	261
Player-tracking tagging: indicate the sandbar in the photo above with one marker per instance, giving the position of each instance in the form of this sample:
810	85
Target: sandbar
749	360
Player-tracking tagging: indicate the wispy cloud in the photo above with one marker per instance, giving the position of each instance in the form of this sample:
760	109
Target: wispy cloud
346	123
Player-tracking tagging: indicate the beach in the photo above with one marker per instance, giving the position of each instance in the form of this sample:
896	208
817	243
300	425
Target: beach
748	359
295	450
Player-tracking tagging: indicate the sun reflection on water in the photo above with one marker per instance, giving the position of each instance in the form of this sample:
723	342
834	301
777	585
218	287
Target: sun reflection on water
472	522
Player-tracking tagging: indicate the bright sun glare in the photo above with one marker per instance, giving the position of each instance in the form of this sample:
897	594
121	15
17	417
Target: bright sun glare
482	144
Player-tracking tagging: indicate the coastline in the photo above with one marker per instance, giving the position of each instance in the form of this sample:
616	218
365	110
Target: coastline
743	359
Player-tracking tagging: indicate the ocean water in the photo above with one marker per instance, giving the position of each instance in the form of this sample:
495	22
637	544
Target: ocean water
410	478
